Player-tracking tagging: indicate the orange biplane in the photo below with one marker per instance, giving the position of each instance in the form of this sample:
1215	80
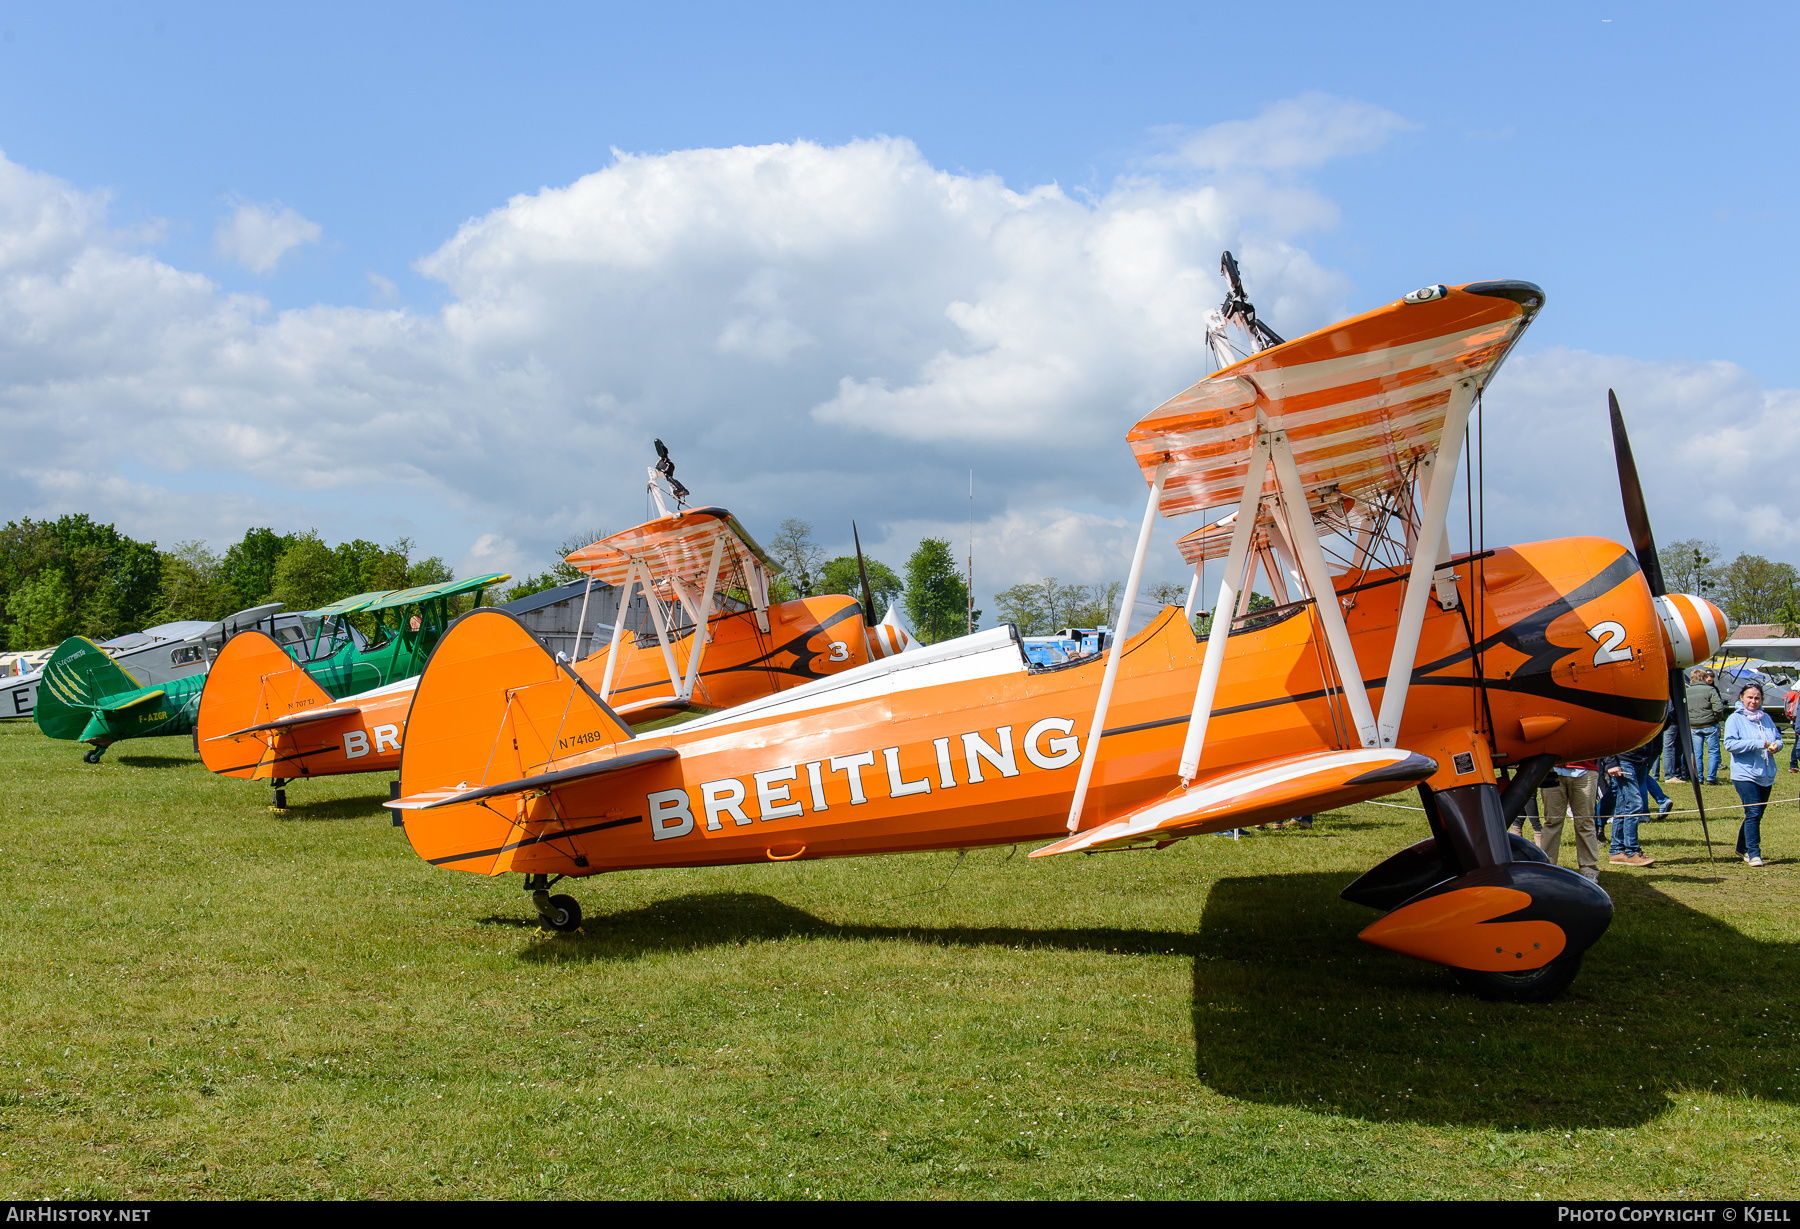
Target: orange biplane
264	717
1402	667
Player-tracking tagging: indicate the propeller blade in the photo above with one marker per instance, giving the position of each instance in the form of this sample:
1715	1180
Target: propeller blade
1678	700
862	569
1643	544
1637	517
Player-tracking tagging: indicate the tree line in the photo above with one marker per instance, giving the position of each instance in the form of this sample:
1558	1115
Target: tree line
1749	589
73	576
933	594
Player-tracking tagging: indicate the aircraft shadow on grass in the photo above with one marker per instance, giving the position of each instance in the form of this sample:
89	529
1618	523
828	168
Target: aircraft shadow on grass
708	919
155	761
364	806
1291	1008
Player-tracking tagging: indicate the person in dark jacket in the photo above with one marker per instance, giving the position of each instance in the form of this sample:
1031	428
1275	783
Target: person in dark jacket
1706	710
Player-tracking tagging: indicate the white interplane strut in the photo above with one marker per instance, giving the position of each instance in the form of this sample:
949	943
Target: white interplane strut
1304	537
1091	751
656	617
702	625
612	650
581	623
1438	475
1235	560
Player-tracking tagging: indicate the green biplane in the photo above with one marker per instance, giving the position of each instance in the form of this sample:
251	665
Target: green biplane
87	697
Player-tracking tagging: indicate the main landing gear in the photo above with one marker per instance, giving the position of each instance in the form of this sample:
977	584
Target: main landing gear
556	912
1485	903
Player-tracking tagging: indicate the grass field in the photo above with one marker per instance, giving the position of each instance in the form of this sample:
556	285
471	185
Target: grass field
202	998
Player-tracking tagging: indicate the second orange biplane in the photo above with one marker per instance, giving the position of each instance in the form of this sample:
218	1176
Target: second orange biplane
1405	668
263	717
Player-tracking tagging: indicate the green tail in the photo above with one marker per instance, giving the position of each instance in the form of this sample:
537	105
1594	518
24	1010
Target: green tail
86	696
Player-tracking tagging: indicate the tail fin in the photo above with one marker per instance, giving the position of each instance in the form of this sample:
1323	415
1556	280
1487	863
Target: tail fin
493	707
252	682
79	681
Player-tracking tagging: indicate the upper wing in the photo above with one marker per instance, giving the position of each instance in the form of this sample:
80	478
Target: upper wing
677	547
1361	402
1255	794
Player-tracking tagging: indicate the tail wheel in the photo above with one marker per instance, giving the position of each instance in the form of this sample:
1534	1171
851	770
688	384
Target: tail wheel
565	914
92	757
1530	986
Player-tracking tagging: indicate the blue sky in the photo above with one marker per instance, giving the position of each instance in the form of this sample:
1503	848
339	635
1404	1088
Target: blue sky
1636	162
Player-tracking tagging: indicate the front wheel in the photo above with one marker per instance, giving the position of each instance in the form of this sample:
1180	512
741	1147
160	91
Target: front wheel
1531	986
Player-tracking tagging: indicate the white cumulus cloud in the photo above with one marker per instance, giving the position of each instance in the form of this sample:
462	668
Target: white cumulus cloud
257	236
822	332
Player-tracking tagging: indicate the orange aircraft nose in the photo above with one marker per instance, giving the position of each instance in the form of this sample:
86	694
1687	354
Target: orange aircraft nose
1692	628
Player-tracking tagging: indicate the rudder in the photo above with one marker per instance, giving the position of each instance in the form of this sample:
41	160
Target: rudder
79	679
252	681
492	706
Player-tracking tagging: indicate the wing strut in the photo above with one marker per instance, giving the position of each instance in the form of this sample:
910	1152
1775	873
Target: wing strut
1091	751
612	649
702	623
1235	560
656	618
1305	542
581	623
1442	476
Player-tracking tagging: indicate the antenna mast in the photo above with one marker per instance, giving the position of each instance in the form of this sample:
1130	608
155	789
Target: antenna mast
969	598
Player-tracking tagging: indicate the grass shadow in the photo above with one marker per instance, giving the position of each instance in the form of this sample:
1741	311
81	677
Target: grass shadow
709	919
1290	1008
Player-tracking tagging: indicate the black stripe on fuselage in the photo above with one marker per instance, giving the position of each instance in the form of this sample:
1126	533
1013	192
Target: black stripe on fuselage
766	661
1528	637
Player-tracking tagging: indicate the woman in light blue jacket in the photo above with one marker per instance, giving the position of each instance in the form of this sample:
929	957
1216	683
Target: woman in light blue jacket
1753	742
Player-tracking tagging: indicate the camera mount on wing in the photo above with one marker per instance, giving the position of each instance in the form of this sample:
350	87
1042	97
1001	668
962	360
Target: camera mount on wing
1238	310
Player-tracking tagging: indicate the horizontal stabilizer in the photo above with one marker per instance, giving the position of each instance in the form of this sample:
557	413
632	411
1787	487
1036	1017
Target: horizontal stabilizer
123	705
543	781
1274	789
308	717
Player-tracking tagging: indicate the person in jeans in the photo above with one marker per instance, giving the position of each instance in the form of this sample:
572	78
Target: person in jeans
1754	742
1706	709
1671	766
1628	772
1572	789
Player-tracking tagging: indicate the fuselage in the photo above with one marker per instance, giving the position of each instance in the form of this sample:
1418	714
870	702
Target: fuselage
252	683
1556	649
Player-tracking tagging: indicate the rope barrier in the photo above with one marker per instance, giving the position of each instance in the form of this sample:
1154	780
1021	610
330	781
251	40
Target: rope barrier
1642	815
